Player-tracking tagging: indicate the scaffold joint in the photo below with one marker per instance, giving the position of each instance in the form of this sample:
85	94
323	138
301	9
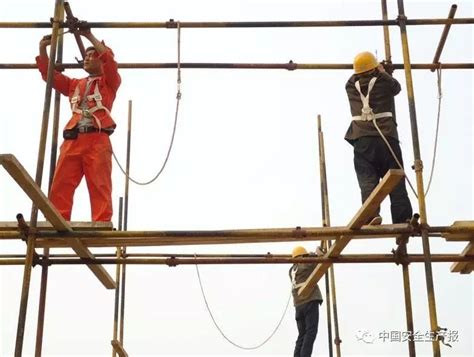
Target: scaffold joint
171	24
171	262
298	232
291	66
417	165
400	19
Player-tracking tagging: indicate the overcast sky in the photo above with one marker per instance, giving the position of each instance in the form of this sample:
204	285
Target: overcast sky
245	156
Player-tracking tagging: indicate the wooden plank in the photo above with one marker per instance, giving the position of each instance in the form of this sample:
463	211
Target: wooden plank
118	348
29	186
466	236
76	226
97	269
464	267
388	183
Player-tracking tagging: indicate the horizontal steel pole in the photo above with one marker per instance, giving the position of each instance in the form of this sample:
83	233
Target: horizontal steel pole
245	24
298	232
172	261
291	66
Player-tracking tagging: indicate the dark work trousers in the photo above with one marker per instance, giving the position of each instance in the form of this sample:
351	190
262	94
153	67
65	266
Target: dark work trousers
372	160
307	319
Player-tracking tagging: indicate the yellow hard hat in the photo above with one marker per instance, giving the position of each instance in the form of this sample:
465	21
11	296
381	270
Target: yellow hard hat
297	251
364	61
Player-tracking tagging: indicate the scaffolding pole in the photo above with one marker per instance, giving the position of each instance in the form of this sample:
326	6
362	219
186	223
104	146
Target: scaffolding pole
39	174
330	278
402	248
418	164
245	24
52	168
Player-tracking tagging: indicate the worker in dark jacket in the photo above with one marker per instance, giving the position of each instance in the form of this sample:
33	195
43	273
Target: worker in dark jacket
371	91
307	308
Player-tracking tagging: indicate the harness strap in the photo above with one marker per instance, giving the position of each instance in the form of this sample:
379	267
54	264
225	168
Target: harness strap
367	112
376	116
293	278
97	97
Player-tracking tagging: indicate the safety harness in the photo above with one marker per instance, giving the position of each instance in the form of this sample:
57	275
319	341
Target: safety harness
367	113
293	278
96	96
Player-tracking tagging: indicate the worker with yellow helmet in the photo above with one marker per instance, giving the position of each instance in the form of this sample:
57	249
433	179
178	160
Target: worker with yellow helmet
373	132
306	308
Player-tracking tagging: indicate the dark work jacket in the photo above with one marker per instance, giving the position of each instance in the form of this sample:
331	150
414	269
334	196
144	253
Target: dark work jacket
381	100
303	271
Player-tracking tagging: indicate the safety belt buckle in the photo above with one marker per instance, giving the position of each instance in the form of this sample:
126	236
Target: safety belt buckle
367	114
86	113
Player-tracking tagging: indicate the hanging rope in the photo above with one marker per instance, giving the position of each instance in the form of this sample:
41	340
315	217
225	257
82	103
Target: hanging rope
394	156
178	99
220	329
440	95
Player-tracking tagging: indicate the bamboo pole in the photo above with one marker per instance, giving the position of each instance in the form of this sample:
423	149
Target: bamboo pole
290	66
419	179
174	261
38	179
330	278
444	36
405	268
125	220
52	168
118	269
246	24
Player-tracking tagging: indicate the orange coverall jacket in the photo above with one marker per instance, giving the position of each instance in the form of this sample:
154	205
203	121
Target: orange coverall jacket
89	155
108	83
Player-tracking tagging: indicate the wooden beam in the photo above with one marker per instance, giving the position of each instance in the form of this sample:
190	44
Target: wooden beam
76	226
464	267
29	186
118	348
466	236
388	183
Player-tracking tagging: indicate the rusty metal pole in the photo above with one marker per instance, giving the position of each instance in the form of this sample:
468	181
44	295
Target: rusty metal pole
444	36
52	167
117	280
38	178
325	244
405	268
418	165
331	279
125	219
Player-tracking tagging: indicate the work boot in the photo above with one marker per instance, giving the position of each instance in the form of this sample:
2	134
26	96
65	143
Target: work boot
376	221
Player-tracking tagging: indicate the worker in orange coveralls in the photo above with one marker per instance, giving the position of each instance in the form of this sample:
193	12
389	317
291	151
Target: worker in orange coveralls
86	150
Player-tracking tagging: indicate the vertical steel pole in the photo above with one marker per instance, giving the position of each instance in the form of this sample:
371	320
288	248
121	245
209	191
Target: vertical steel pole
418	165
125	218
38	178
52	167
117	279
405	268
327	223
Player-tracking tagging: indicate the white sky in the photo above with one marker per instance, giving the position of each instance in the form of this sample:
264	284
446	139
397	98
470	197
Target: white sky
245	156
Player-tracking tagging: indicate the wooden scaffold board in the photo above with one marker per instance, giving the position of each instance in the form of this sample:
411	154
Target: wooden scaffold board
388	183
29	186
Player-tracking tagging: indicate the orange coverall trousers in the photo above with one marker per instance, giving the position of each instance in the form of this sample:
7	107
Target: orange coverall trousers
89	155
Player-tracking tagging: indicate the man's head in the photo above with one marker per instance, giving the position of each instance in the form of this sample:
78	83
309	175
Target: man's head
364	62
298	251
92	64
